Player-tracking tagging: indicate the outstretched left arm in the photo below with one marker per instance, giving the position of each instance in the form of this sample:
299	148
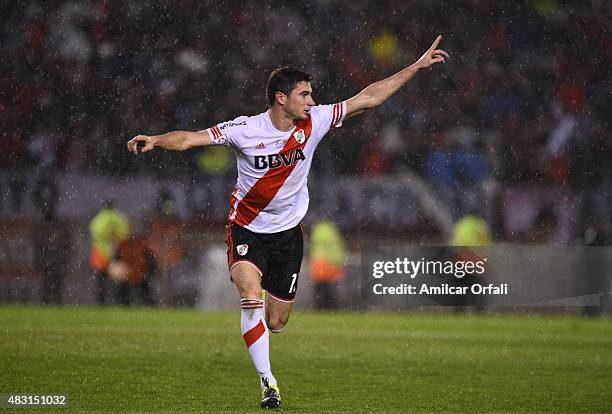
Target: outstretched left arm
378	92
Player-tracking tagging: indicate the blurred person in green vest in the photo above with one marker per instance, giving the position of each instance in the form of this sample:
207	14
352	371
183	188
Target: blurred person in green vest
471	230
327	258
107	229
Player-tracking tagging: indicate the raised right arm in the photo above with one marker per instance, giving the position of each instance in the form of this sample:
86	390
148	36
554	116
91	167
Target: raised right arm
174	141
380	91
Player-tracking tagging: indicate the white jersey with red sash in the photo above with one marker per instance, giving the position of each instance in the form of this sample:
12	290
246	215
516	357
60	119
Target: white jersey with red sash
271	191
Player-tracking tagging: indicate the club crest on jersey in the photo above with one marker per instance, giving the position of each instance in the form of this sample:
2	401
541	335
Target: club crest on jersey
300	136
242	249
272	161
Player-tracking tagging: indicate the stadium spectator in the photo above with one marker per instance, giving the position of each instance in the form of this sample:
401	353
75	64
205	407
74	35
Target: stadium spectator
13	162
327	260
592	268
471	230
107	229
589	152
51	243
455	168
133	271
543	227
102	58
471	234
175	270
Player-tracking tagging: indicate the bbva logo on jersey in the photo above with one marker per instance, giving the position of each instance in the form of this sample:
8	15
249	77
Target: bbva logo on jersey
278	160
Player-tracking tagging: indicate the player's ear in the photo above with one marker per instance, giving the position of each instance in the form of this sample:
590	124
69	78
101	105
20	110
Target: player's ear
281	98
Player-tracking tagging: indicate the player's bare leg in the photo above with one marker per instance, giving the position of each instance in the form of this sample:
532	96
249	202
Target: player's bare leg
254	329
277	313
247	279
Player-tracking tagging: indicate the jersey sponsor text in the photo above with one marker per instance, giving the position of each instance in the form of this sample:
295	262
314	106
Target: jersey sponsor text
278	160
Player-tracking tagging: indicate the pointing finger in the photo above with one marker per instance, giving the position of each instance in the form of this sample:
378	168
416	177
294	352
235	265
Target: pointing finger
436	43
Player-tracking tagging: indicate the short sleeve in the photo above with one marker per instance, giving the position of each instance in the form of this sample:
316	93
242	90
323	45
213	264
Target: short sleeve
228	133
326	117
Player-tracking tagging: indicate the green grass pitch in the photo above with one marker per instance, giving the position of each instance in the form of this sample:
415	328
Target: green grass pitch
171	361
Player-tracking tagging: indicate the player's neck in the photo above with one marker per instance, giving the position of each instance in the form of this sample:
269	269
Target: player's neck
280	120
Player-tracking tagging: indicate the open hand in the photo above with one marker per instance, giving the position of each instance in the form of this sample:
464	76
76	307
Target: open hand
433	55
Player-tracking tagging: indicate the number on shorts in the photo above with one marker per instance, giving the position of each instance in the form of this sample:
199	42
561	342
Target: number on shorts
292	287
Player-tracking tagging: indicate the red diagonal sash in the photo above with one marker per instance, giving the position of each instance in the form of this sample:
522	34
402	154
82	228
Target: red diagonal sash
265	188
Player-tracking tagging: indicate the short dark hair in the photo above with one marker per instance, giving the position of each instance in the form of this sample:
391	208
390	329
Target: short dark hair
284	80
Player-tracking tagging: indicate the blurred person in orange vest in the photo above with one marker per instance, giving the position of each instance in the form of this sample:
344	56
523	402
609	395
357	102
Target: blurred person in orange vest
107	229
164	239
327	258
133	270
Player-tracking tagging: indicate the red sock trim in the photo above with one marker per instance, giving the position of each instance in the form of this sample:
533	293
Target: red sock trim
251	303
252	335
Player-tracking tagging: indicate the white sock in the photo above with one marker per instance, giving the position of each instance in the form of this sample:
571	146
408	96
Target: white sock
257	338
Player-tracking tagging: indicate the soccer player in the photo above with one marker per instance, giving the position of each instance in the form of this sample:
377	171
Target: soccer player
274	152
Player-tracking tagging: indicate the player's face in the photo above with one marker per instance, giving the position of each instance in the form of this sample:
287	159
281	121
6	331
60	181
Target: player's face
299	101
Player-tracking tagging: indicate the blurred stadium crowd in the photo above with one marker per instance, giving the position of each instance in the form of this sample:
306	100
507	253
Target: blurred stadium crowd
520	113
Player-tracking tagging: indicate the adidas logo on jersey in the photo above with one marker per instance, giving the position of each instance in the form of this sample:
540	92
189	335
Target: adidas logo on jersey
278	160
260	146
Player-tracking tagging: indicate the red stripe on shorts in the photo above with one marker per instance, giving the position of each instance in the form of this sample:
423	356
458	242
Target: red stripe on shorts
230	244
